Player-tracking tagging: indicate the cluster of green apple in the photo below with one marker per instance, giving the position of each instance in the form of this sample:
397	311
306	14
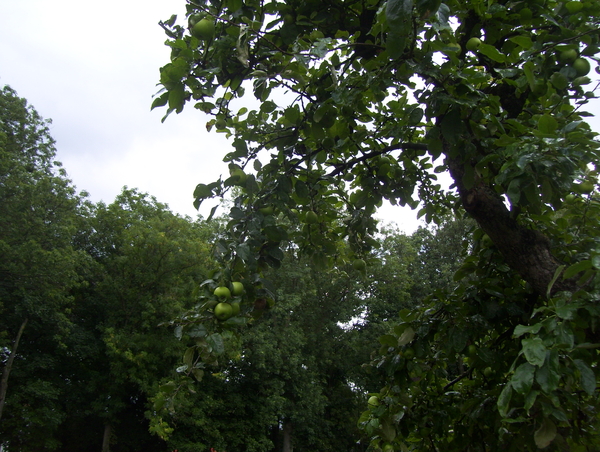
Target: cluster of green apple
570	56
225	308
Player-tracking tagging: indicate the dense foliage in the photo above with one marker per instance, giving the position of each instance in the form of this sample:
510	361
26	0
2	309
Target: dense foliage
88	352
83	289
357	101
39	265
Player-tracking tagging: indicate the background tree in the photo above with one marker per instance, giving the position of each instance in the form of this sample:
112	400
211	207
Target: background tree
382	93
39	266
289	386
147	265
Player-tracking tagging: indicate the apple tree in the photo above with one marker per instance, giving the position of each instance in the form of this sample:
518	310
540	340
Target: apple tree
334	106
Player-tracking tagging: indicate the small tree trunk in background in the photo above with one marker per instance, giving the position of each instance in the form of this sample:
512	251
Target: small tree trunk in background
287	436
106	438
8	367
275	438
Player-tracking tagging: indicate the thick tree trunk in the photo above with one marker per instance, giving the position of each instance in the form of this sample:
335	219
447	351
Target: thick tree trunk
106	438
287	436
8	367
525	250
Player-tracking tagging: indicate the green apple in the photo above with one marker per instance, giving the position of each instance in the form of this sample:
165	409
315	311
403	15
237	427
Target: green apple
453	47
222	292
473	44
581	66
221	124
359	264
239	175
267	210
373	401
237	288
312	217
204	29
235	308
585	187
568	56
223	311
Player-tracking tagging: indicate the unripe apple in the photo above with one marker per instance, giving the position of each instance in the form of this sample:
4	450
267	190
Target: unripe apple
237	288
568	56
373	401
204	29
581	66
359	264
473	44
222	292
223	311
312	217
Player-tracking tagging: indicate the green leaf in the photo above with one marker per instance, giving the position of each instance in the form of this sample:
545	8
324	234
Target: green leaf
398	14
504	400
545	434
215	341
160	101
188	357
522	41
548	376
557	273
530	399
427	7
534	351
492	52
388	431
202	191
168	388
198	373
458	338
528	68
522	379
572	270
588	378
520	330
547	124
177	98
406	337
388	339
197	331
159	402
514	191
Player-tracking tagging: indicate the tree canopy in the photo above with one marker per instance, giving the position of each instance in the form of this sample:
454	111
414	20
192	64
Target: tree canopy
360	101
39	267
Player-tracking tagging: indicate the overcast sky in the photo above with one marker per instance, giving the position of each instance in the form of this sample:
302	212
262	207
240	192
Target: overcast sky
92	67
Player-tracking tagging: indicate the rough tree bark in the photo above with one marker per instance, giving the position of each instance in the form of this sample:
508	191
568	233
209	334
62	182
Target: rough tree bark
525	250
